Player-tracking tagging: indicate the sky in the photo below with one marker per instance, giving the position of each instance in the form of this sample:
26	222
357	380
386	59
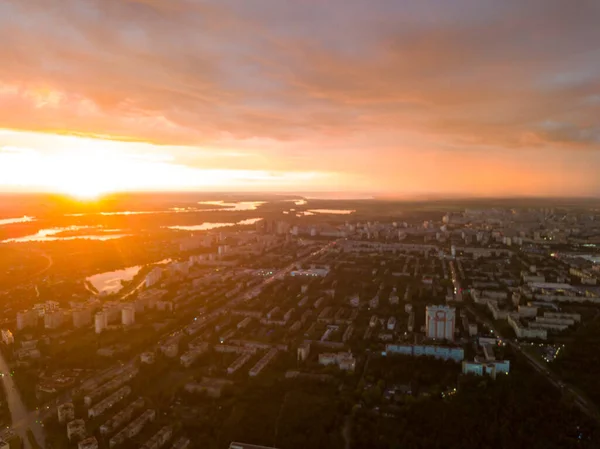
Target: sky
462	97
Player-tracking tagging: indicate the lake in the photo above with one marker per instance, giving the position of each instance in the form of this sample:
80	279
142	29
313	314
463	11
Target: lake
50	235
209	226
242	205
110	282
332	211
7	221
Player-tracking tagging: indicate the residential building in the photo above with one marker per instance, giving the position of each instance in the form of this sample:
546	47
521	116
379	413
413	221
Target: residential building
440	322
147	358
27	318
439	352
262	363
100	322
527	311
192	355
66	412
239	362
128	315
88	443
54	319
122	417
526	332
181	443
159	438
153	277
212	387
247	446
472	329
242	324
344	360
109	402
76	430
570	316
133	428
490	368
303	351
170	348
82	317
391	323
7	337
123	376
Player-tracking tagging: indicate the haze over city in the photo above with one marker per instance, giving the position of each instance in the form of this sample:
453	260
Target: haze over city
465	98
304	224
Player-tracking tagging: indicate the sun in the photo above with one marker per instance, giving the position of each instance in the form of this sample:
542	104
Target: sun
85	193
84	190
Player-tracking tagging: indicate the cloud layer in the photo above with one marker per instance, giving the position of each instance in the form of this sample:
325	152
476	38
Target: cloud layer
392	94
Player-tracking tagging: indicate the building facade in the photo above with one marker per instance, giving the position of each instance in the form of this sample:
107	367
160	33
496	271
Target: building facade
440	322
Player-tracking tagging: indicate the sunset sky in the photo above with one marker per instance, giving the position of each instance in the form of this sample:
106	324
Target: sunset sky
384	96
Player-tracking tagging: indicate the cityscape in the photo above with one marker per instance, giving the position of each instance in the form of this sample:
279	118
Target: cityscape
331	224
302	323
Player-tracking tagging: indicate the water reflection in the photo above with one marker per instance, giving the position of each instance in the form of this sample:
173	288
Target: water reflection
124	212
249	221
7	221
209	226
224	207
242	205
332	211
110	282
53	234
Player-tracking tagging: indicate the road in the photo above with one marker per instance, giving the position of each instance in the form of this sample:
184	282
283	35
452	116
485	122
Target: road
47	409
284	271
458	297
49	263
584	404
22	419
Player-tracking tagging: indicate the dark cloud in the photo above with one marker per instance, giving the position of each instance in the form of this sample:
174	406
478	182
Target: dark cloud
295	69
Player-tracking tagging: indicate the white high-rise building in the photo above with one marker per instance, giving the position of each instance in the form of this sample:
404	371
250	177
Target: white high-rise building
128	315
153	277
440	322
7	337
100	322
27	318
53	320
82	317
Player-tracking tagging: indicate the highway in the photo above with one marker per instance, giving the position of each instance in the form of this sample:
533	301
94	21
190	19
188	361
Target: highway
22	419
584	404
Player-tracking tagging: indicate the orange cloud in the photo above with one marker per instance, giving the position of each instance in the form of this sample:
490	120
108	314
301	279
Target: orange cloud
386	96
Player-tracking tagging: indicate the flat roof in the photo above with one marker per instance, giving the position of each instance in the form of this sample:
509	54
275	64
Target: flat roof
551	286
248	446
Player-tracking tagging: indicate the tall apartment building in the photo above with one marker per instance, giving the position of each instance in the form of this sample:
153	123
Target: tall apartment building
27	318
54	319
440	322
128	315
82	317
153	277
100	322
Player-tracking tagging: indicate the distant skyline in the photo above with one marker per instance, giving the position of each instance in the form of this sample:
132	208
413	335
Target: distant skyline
466	98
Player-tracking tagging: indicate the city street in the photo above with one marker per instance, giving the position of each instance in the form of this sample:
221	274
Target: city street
584	404
22	419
